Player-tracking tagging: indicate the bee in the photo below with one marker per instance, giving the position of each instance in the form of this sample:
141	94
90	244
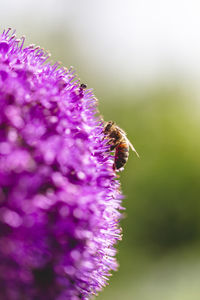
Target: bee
83	86
119	142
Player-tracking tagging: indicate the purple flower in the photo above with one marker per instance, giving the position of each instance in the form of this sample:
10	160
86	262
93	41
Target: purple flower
59	197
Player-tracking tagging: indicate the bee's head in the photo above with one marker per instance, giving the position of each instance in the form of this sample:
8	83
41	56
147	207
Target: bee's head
108	127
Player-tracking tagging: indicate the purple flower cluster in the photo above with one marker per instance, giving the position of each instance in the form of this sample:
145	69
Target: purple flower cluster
59	197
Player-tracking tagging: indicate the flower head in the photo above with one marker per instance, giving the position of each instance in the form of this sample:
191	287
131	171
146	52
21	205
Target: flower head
59	200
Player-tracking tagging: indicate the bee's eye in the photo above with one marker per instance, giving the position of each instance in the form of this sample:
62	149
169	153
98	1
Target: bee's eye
83	86
108	127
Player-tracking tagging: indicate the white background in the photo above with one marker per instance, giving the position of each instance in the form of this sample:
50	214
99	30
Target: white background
122	41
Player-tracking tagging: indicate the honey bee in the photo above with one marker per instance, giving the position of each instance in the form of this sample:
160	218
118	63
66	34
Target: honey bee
83	86
118	141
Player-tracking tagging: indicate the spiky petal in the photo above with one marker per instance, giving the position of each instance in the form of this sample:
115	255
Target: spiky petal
59	200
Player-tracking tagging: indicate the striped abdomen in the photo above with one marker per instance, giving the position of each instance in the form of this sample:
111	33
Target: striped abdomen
121	155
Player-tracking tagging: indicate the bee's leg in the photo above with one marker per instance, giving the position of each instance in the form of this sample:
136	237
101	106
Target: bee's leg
113	147
110	142
105	136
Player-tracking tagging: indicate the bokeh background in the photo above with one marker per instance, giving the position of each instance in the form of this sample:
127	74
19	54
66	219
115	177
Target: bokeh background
142	57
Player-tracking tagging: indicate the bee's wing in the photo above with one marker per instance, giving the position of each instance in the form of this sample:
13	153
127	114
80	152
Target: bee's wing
122	131
131	146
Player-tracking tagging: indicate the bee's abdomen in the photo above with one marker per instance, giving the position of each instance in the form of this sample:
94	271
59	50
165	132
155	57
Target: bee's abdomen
121	155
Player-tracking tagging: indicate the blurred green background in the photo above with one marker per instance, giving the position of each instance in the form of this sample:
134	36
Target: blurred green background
159	255
143	60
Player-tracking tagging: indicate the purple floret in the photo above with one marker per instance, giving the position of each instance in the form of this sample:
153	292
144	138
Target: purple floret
59	197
